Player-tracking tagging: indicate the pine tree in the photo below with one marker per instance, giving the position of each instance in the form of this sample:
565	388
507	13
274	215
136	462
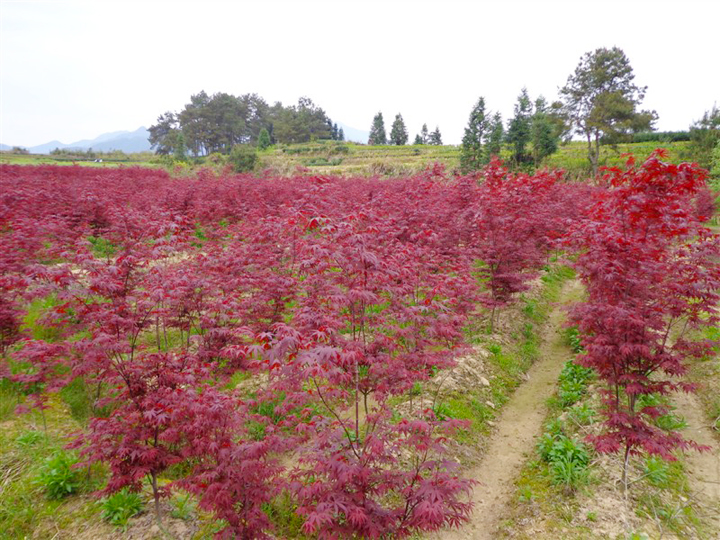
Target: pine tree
471	152
398	133
436	137
334	132
518	133
263	139
377	131
495	137
418	140
544	132
341	135
424	134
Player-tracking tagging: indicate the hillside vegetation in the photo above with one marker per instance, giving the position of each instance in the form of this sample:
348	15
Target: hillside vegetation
352	159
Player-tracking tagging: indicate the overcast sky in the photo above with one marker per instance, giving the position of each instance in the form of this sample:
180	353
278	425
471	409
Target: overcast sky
74	70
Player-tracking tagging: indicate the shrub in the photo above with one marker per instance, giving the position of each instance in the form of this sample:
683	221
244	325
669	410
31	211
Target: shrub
121	506
58	475
243	158
573	383
184	506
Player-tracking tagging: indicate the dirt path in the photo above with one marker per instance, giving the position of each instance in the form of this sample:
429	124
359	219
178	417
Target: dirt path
703	467
518	425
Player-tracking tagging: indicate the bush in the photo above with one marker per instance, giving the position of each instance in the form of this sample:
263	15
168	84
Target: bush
58	476
573	383
243	158
568	459
184	506
121	506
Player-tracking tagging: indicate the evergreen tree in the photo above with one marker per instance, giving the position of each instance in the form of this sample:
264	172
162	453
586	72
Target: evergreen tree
334	132
435	137
495	137
544	132
377	131
471	151
425	137
341	135
263	139
180	148
418	140
518	133
398	133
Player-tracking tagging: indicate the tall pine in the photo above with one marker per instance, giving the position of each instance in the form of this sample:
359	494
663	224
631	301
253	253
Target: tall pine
424	136
519	128
398	133
471	151
436	137
495	137
377	131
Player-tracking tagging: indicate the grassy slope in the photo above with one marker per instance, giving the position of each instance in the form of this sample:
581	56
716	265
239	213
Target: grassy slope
350	158
326	157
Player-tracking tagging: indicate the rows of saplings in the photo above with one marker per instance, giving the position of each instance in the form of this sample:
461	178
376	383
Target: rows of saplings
245	341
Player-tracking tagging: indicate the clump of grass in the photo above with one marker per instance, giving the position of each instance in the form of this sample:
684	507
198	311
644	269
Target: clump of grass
58	475
183	505
568	459
119	507
573	383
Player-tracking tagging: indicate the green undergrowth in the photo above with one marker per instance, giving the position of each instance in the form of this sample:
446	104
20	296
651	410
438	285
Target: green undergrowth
41	489
561	467
567	491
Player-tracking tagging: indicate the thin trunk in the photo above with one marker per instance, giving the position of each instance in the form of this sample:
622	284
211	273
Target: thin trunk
626	461
156	496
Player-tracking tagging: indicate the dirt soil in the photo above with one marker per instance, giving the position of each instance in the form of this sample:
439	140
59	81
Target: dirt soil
703	467
519	423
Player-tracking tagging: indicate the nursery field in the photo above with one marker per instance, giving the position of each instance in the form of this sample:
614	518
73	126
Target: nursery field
389	356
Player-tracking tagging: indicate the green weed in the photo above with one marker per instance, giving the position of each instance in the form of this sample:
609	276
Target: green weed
58	476
183	505
119	507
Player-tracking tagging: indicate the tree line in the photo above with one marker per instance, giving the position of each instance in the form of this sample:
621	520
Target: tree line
399	133
219	122
599	102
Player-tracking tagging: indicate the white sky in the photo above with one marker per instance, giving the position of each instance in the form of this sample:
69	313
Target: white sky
74	70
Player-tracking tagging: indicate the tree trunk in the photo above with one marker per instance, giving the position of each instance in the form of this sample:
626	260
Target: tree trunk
592	155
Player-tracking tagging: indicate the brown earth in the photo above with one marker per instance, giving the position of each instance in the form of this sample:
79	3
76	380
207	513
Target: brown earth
519	423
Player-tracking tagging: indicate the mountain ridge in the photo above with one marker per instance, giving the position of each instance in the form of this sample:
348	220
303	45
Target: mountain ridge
137	141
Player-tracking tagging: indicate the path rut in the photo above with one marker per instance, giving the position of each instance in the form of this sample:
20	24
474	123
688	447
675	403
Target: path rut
703	467
519	423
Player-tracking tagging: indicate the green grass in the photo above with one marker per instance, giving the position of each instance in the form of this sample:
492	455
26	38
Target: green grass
350	159
39	489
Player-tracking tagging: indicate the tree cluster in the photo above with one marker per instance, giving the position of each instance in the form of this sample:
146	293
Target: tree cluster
425	137
482	139
219	122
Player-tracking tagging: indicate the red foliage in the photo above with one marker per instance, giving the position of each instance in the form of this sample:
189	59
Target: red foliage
651	274
336	294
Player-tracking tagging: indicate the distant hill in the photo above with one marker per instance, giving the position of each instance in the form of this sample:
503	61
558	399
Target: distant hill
127	141
354	134
137	141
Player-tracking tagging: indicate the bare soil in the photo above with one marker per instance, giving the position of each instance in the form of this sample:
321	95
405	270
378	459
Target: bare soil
703	468
519	423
